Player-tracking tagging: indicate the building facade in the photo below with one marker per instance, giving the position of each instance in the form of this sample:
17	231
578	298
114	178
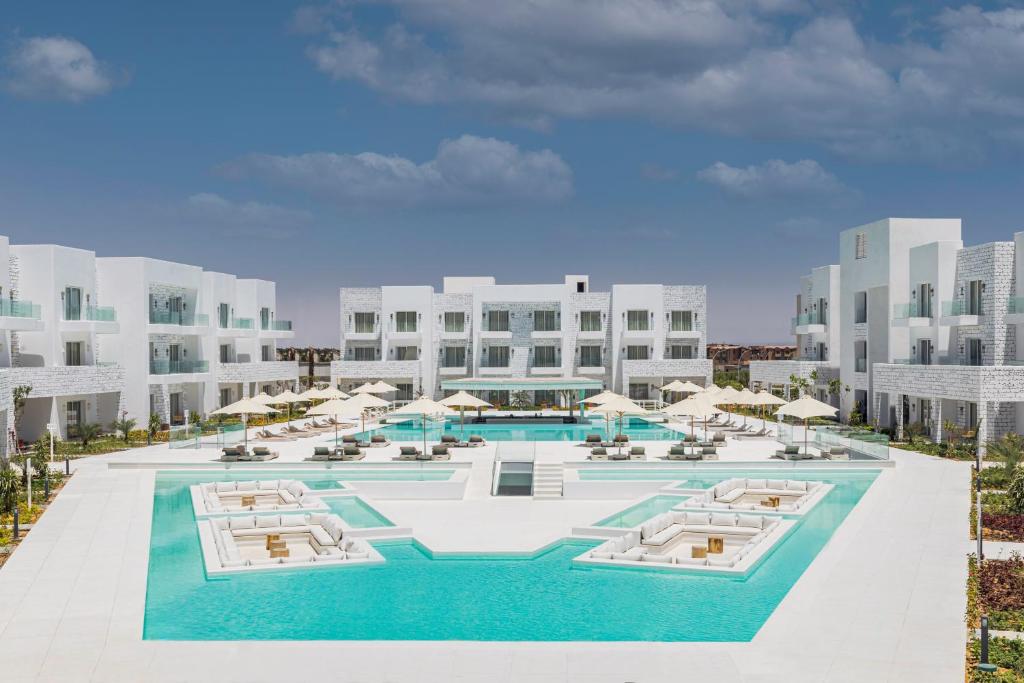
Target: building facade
633	338
928	328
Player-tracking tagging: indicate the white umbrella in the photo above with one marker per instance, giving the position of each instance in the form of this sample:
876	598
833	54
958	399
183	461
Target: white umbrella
361	402
381	387
334	408
805	408
463	400
423	407
603	397
245	408
766	398
287	397
746	397
695	407
264	398
620	406
364	388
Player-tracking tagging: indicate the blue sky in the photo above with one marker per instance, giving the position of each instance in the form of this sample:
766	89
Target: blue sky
393	142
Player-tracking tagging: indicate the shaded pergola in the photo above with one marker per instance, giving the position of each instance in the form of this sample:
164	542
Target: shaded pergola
473	385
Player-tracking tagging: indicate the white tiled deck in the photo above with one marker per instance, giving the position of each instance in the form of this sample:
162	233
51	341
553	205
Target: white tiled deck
884	600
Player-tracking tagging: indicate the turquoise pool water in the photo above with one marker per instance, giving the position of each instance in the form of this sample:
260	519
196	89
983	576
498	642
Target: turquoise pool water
322	480
415	596
638	430
694	479
356	512
644	510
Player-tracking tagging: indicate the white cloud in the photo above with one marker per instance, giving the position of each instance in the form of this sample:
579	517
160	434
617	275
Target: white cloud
55	68
467	170
744	67
243	218
774	178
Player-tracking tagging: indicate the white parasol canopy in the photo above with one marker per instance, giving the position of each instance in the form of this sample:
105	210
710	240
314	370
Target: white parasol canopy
245	408
804	408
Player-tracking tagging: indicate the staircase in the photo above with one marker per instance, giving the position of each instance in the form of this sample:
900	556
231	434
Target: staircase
547	480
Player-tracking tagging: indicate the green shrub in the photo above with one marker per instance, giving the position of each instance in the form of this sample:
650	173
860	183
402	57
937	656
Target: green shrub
1015	492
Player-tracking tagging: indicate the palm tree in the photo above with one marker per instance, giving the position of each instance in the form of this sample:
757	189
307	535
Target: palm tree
124	425
10	486
1009	449
88	431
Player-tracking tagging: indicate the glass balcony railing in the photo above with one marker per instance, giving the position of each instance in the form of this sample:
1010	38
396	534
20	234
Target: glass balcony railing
860	365
958	307
243	323
913	310
179	318
809	319
1016	305
281	325
104	314
173	367
13	308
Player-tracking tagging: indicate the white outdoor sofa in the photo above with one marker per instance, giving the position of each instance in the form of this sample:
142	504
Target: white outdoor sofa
223	497
323	532
757	534
725	495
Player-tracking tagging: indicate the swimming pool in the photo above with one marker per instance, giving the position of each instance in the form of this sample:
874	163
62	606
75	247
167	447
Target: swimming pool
356	512
634	515
694	478
638	430
483	597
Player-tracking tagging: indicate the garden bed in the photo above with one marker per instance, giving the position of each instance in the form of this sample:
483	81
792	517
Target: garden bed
1000	594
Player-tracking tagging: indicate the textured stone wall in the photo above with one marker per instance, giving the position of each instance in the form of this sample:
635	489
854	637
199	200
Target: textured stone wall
262	371
992	264
689	298
64	380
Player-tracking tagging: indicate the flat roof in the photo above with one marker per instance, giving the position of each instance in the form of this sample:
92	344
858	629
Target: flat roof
521	383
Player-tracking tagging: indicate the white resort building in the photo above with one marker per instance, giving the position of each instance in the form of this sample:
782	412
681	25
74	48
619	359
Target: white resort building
925	330
98	337
479	335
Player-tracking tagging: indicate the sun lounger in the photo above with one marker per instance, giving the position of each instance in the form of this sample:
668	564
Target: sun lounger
621	438
839	453
321	453
408	453
717	438
637	453
618	455
676	453
708	450
352	453
599	453
440	453
592	440
262	454
379	441
229	454
476	440
423	456
694	455
351	440
301	433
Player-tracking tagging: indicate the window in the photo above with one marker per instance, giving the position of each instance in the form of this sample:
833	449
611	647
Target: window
266	354
497	321
223	315
545	321
405	321
225	397
406	353
638	391
861	246
682	321
581	287
924	351
924	300
72	353
74	413
544	357
974	297
264	318
225	353
364	353
860	356
680	351
822	311
364	323
636	353
404	392
72	303
590	321
454	356
545	397
497	357
636	321
974	352
454	321
590	356
860	307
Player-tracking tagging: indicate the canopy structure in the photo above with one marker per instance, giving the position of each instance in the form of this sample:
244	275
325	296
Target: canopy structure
424	407
804	408
694	407
334	408
463	400
286	397
264	398
766	398
603	397
359	403
621	406
474	384
365	388
245	408
382	387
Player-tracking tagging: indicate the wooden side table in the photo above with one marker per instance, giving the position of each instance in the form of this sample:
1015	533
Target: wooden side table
279	552
716	545
698	551
271	539
248	501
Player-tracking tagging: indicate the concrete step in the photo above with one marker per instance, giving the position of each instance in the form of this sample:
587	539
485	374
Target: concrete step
547	480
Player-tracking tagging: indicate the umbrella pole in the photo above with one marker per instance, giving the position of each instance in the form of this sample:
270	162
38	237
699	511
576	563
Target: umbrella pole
462	420
424	434
245	431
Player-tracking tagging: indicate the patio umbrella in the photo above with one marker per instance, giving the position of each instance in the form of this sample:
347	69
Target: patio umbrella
332	393
287	397
263	397
620	406
245	408
673	387
805	408
746	398
365	388
381	387
463	400
423	407
767	398
359	403
598	399
695	407
334	408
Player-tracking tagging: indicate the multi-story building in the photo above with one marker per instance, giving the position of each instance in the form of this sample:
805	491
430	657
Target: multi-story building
190	340
632	339
927	328
817	331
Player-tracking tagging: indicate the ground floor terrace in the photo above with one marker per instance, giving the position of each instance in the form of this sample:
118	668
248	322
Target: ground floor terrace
866	584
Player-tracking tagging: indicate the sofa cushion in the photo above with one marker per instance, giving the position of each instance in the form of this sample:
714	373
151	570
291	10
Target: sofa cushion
731	496
225	486
232	564
287	496
722	519
246	485
756	483
243	522
698	518
311	502
651	557
296	489
268	485
776	484
601	555
220	524
267	521
293	520
357	555
695	561
796	485
752	521
720	562
321	536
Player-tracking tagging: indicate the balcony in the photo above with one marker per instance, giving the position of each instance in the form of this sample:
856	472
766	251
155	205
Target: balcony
546	370
172	322
911	315
495	334
590	370
596	335
404	333
809	323
237	327
684	332
178	367
450	370
277	329
639	333
98	319
958	313
494	370
363	332
546	334
455	333
1015	310
20	315
974	383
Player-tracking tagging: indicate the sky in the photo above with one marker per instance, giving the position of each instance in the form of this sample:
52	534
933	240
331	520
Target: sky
362	143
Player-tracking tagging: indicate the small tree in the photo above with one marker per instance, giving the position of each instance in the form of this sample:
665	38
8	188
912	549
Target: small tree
154	424
124	425
520	400
88	432
1009	449
835	388
801	384
1016	490
10	486
914	431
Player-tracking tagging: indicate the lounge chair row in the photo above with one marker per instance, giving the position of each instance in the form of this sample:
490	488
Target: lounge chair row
437	453
325	453
239	454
